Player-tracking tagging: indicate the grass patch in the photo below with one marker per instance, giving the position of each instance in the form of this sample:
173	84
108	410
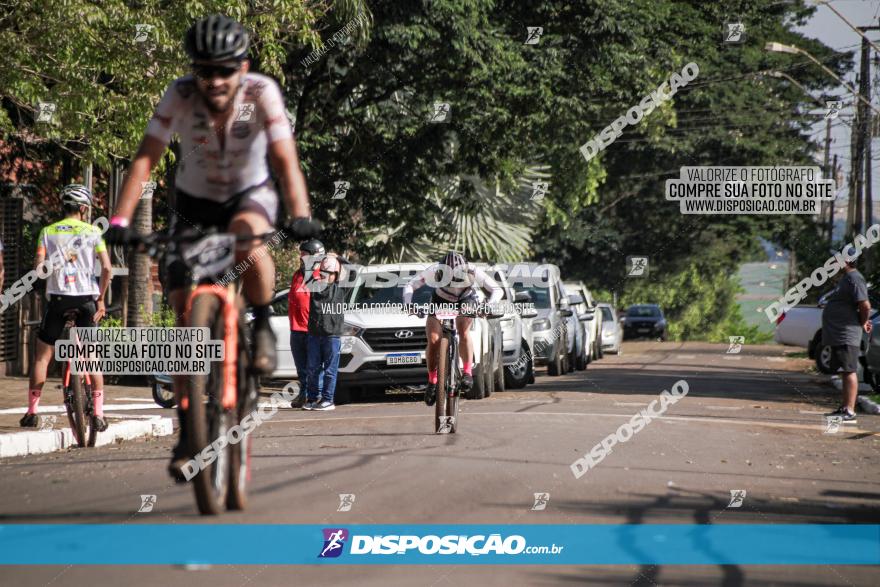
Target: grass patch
797	355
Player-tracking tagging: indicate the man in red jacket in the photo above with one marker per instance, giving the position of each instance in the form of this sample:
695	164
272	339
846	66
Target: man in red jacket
298	298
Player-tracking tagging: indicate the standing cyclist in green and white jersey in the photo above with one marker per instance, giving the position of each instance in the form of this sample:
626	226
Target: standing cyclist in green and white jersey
71	246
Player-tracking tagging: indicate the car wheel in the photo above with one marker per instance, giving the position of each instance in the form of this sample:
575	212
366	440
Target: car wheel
499	377
554	367
516	376
342	395
478	389
599	352
583	358
489	374
823	359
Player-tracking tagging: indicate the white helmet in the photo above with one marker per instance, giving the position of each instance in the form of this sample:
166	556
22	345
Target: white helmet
76	193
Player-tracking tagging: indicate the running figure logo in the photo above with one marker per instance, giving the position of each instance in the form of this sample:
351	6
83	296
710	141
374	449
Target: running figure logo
245	112
334	540
45	111
147	503
539	188
142	32
736	344
832	424
736	498
147	189
446	423
340	188
533	35
441	112
833	108
735	32
636	266
541	500
346	500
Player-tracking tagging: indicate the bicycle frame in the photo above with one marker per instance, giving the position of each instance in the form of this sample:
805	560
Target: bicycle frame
228	297
450	332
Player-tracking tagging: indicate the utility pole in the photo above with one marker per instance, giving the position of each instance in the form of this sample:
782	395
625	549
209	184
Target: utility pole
827	172
833	202
855	172
865	131
865	128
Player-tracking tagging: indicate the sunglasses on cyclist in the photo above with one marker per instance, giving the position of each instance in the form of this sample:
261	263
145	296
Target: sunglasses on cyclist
212	71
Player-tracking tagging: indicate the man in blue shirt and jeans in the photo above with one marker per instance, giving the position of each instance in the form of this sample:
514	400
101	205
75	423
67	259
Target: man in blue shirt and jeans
845	317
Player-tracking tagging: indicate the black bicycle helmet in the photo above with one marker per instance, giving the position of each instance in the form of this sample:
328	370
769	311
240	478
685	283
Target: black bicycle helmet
312	247
216	38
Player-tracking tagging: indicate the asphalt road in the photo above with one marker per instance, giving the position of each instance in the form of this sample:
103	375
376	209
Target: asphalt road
750	422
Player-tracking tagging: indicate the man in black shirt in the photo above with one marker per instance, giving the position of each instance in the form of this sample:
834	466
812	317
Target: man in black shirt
325	327
845	317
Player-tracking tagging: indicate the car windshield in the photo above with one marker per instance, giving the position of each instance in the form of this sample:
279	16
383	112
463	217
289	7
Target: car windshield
643	312
378	293
607	316
540	295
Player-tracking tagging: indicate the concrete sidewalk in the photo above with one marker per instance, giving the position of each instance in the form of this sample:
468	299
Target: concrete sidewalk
129	410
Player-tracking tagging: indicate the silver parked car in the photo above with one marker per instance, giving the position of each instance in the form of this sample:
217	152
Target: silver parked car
590	320
549	326
516	328
612	333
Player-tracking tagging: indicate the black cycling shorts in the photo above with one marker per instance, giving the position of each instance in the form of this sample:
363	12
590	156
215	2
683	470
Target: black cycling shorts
469	298
53	319
191	213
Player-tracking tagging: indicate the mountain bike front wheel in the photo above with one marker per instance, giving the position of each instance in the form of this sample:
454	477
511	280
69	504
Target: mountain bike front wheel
442	383
207	420
240	454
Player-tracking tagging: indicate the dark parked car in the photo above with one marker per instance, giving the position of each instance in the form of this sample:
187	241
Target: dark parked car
644	320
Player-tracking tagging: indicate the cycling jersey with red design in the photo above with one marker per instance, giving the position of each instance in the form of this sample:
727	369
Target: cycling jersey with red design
206	168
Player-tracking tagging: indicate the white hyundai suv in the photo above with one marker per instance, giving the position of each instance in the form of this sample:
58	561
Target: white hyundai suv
383	347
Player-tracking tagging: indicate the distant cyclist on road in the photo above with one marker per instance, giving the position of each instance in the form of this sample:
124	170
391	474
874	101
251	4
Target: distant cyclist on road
462	279
232	125
72	247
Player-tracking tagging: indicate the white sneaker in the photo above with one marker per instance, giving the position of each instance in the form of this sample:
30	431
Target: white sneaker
325	405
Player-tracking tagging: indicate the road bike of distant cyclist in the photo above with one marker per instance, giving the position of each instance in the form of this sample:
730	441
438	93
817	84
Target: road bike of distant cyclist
77	392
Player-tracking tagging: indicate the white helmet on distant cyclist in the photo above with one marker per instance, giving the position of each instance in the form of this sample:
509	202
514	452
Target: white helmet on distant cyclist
76	194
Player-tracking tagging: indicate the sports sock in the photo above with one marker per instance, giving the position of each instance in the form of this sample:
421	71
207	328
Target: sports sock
98	400
33	400
432	376
468	368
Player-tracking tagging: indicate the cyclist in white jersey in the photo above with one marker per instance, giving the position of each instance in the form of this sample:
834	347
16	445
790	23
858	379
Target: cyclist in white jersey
229	122
70	249
460	280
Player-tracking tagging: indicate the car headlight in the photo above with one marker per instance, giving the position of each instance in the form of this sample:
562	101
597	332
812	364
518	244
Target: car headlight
542	324
351	330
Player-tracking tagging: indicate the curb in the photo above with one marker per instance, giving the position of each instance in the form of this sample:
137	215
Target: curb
867	405
45	441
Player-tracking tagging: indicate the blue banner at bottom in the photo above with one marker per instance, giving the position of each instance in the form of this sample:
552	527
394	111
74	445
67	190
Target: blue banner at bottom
354	544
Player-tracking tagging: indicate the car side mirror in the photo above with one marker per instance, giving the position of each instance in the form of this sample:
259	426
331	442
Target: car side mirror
585	317
521	297
565	312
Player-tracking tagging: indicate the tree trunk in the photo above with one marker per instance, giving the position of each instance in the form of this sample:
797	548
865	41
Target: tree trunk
140	291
